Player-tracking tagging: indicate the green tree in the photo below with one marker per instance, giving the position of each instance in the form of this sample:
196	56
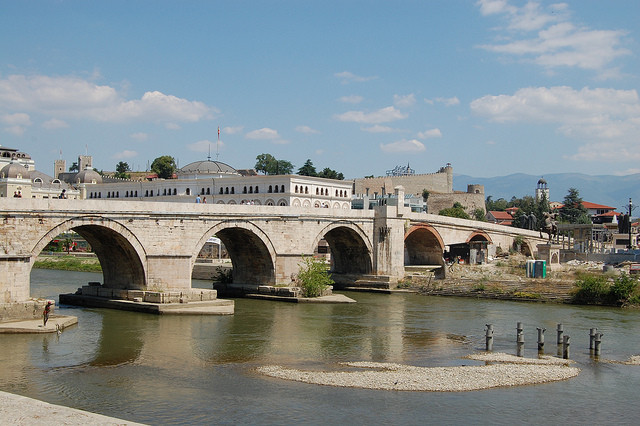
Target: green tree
265	163
73	167
121	170
164	166
307	169
456	211
425	195
330	174
478	214
269	165
573	211
313	276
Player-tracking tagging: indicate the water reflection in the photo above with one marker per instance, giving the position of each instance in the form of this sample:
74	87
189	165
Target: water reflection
200	369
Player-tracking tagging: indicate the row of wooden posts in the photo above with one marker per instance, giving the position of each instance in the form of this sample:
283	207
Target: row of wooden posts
563	341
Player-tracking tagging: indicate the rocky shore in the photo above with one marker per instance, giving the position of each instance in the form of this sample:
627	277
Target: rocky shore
502	370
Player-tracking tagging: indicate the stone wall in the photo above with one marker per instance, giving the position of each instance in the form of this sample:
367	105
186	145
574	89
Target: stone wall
441	181
470	201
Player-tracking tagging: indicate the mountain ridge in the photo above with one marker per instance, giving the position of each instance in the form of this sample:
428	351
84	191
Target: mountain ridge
610	190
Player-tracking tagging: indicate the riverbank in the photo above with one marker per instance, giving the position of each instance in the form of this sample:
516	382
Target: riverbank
22	411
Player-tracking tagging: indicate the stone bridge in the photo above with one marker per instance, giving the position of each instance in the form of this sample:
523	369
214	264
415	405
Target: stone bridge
154	245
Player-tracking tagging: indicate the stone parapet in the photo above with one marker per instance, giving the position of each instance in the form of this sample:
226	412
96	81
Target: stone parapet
161	297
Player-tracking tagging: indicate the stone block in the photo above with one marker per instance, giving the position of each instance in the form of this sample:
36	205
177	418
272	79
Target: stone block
105	292
266	289
89	290
120	294
153	296
135	294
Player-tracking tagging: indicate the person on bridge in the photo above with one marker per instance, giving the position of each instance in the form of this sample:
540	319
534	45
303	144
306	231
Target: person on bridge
198	199
46	312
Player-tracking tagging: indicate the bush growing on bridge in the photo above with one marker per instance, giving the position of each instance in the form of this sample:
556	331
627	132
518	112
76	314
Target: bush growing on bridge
313	277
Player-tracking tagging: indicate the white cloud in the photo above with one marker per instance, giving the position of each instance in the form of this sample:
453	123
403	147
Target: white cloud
16	123
264	133
558	42
231	130
139	136
75	98
54	123
172	126
351	99
383	115
606	120
448	101
429	134
404	101
349	77
124	155
307	130
403	145
205	146
626	172
378	129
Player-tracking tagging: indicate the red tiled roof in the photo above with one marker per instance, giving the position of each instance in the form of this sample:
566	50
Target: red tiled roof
607	214
590	205
500	215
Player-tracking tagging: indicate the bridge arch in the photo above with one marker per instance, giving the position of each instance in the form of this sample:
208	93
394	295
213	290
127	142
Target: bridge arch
350	248
121	255
424	246
251	251
479	235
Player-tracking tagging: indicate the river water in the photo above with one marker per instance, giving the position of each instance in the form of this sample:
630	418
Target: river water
202	369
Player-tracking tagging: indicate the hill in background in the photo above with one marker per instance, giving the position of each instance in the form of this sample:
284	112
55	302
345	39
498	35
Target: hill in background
609	190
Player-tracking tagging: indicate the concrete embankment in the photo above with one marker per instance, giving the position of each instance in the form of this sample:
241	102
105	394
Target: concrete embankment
22	411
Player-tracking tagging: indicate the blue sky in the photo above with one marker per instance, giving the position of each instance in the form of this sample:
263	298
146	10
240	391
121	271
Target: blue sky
492	86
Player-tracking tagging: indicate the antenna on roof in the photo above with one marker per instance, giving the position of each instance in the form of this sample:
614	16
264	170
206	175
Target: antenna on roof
209	156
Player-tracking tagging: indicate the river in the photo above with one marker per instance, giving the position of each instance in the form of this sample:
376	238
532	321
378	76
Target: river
202	369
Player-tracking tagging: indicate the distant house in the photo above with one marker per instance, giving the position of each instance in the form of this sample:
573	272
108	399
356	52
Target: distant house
593	209
609	217
499	217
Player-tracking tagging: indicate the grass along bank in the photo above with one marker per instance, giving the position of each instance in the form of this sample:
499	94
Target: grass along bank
68	263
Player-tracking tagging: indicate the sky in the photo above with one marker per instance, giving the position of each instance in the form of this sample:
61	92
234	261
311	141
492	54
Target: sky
493	87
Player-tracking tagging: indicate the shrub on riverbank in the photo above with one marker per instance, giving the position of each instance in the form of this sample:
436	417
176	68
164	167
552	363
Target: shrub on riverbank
68	263
600	290
314	277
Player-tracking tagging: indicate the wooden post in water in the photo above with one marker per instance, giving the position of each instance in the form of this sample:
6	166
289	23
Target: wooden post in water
489	337
597	339
560	332
520	340
592	337
541	339
565	347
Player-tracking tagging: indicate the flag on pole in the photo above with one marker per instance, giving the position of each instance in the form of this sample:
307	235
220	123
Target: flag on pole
218	132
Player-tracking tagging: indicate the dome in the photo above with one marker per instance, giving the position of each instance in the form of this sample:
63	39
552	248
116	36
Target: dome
207	168
14	170
88	175
542	181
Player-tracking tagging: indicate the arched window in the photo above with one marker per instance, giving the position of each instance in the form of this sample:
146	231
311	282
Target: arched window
270	189
244	191
275	189
146	193
317	191
226	190
233	190
221	191
117	194
136	192
306	189
208	191
188	191
251	190
282	188
175	191
336	192
256	190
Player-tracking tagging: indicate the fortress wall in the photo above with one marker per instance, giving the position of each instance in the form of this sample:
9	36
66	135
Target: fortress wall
415	184
470	201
